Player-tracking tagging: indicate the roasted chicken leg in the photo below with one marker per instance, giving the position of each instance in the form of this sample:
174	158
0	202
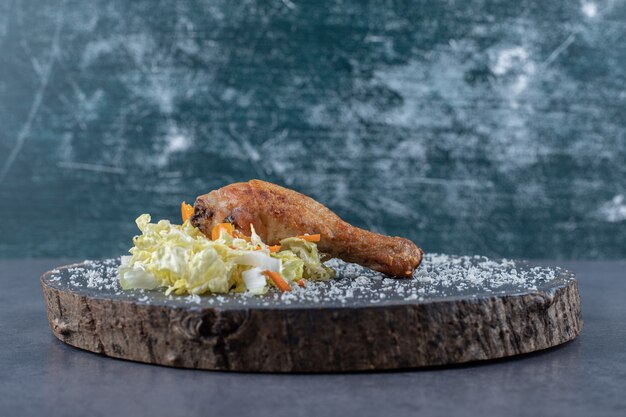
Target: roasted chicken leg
277	213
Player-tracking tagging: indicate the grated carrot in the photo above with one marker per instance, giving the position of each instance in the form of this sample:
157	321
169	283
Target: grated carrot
240	235
310	238
274	249
217	229
186	211
278	280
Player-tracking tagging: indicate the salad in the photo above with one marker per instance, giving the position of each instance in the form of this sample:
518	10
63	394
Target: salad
182	260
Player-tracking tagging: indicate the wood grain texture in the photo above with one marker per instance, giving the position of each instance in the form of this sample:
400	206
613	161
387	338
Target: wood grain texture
305	337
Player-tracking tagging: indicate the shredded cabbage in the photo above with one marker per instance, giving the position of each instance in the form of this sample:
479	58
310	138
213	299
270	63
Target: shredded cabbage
314	269
255	280
182	260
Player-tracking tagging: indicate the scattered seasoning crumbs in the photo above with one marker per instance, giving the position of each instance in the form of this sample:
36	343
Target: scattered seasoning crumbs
439	276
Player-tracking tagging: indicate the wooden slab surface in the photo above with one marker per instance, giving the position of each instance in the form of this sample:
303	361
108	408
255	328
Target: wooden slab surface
454	310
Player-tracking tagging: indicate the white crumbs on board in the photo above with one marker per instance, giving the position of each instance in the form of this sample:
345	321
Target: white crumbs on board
439	276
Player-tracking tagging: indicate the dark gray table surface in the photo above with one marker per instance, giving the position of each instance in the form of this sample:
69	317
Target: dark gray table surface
40	375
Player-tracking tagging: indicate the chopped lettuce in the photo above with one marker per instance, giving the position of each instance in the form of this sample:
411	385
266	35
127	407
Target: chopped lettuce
182	260
255	280
314	269
292	266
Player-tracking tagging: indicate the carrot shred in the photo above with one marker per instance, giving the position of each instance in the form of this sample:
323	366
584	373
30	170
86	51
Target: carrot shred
186	210
310	238
274	249
217	229
278	280
301	283
240	235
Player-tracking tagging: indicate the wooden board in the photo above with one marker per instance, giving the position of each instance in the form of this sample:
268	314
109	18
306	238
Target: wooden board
454	310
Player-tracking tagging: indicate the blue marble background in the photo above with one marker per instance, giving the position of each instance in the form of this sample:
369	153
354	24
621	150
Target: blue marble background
471	127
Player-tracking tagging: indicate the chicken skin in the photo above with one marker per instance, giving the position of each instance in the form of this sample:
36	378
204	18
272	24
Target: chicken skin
278	213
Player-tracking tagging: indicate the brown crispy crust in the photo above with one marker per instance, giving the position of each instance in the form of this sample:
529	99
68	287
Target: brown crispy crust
277	213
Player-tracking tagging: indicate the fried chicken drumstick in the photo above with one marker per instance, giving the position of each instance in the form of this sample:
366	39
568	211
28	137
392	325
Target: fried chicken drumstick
277	213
